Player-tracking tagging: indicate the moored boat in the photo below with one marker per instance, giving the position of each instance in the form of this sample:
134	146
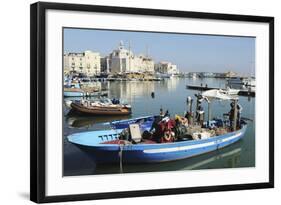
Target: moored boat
107	147
230	91
73	92
78	92
100	107
235	81
249	82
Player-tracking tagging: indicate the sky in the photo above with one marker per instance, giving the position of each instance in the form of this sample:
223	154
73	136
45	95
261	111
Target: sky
191	53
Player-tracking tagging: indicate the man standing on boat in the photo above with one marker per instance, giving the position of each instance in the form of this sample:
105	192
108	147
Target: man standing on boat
200	115
189	114
199	110
239	111
231	114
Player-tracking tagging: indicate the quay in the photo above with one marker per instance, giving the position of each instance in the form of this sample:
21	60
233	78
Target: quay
249	92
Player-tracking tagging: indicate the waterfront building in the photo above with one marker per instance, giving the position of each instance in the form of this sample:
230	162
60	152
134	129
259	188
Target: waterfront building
230	74
166	68
122	60
143	63
88	63
105	64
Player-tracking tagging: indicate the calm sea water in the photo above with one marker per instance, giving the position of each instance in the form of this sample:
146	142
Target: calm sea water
171	95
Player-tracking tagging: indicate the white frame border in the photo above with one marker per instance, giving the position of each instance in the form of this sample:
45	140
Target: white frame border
58	185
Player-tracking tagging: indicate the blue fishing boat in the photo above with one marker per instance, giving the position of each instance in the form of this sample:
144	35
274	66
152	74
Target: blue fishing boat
106	146
162	138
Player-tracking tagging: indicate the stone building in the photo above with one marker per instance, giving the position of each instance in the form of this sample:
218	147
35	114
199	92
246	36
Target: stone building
122	60
88	63
166	68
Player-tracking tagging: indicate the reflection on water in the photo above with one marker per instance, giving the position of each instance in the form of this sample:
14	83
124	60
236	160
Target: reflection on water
76	121
170	94
229	157
222	158
139	89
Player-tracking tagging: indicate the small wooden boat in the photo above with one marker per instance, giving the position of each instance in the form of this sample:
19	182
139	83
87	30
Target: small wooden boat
98	108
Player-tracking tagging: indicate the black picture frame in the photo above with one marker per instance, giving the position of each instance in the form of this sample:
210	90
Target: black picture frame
38	100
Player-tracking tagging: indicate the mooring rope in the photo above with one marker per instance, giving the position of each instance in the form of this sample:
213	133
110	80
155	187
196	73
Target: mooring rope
120	157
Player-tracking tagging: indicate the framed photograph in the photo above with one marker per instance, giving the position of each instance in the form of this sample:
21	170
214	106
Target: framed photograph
129	102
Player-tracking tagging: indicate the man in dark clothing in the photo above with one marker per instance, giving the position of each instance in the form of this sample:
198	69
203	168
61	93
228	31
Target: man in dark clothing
200	115
239	111
231	114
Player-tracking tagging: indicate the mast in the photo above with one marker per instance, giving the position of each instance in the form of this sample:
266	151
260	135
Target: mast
235	116
209	111
130	56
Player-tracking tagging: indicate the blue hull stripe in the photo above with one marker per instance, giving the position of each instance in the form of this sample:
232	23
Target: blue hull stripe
189	147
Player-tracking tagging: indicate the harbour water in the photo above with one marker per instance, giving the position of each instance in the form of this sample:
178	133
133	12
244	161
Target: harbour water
170	94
